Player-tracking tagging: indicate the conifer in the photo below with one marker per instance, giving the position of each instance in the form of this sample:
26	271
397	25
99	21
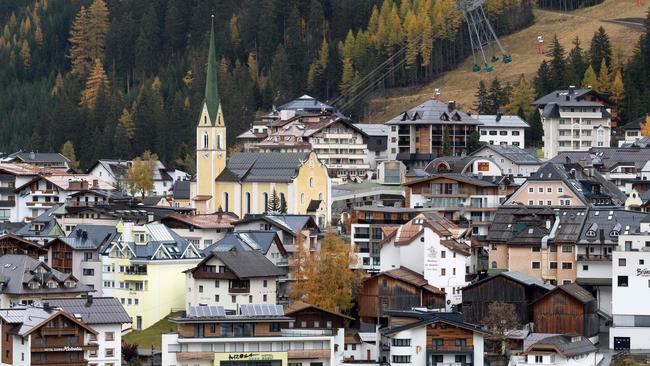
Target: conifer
26	55
78	54
95	82
589	80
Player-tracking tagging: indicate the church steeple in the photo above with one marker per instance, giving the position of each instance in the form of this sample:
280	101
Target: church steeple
212	100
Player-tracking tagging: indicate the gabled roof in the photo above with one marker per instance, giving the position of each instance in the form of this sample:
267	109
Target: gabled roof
433	112
163	244
298	305
291	224
246	241
94	310
492	120
457	177
513	153
410	277
36	157
27	320
88	237
429	317
373	129
635	124
307	103
23	241
572	289
564	345
224	220
16	271
263	167
48	220
246	264
405	234
63	181
570	97
519	277
605	158
603	226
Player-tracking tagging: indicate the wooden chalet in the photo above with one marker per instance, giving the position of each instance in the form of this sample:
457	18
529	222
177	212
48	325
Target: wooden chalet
13	244
568	309
510	287
314	317
397	289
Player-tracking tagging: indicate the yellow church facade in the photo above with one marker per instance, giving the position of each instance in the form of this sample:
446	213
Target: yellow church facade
245	182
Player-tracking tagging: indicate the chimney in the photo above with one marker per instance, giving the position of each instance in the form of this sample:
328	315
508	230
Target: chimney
46	305
32	155
572	89
451	105
89	300
499	114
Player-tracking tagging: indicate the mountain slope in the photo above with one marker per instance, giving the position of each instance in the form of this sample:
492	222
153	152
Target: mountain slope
460	84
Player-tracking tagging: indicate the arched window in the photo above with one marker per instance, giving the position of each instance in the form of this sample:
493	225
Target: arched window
248	202
320	196
266	201
311	182
302	198
205	140
219	141
225	202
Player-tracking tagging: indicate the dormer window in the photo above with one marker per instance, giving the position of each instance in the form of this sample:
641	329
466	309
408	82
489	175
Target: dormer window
591	234
614	233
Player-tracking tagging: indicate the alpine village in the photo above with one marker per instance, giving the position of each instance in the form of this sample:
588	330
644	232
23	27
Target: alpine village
325	182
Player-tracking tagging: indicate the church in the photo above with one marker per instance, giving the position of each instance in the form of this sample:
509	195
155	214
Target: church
244	183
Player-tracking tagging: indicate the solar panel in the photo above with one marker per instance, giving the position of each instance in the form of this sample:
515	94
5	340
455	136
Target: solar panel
205	311
261	310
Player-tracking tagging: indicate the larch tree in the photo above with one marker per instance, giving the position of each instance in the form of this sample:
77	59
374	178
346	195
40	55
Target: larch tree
58	85
97	80
645	127
617	89
79	46
522	97
412	41
38	36
603	77
590	80
26	55
139	176
97	29
426	42
324	278
67	150
126	122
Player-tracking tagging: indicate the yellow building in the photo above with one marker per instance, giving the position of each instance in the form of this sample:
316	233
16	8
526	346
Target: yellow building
144	267
244	183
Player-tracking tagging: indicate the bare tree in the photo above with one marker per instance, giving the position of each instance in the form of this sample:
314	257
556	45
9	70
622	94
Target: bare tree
500	319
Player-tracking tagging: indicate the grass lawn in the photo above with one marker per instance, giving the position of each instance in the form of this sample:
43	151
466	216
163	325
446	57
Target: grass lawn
150	336
460	84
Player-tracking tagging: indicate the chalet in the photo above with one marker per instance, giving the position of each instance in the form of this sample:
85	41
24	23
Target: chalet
43	228
567	309
202	230
45	336
291	229
512	160
207	335
562	350
25	280
431	338
396	289
314	317
230	278
510	287
265	242
13	244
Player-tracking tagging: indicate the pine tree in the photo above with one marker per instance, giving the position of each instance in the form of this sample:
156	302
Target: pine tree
603	78
273	205
497	97
481	103
67	150
97	80
147	44
79	46
600	48
576	63
542	80
281	76
535	134
474	142
58	85
558	69
126	123
589	79
26	55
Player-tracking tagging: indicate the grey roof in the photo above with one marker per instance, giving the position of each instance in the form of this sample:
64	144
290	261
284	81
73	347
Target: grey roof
492	120
472	180
560	96
577	292
181	189
16	271
248	264
307	103
94	310
603	226
606	158
526	279
428	317
25	319
643	142
373	129
90	237
50	225
263	167
292	224
433	112
526	225
634	124
513	153
160	236
565	345
32	157
456	164
244	241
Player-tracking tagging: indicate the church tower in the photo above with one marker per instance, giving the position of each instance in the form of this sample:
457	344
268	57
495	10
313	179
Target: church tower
210	136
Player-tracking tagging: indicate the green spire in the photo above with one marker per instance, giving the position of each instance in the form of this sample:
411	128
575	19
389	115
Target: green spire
211	89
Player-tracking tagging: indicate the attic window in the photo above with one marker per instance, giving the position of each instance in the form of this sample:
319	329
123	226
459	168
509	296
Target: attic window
591	234
444	117
418	221
456	117
614	233
530	230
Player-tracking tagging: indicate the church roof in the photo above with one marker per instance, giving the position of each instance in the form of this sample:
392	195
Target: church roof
263	167
212	100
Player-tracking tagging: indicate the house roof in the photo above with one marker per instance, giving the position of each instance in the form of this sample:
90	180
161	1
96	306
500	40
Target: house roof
570	97
89	237
635	124
263	167
63	181
476	181
24	169
492	120
564	345
513	153
307	103
36	157
373	129
574	290
606	158
246	264
298	305
292	224
47	219
411	277
223	220
405	234
519	277
246	241
23	241
603	226
26	320
94	310
428	317
162	240
16	271
433	112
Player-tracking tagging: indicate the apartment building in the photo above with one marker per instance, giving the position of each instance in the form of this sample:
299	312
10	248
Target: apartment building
423	133
574	120
231	278
502	130
208	336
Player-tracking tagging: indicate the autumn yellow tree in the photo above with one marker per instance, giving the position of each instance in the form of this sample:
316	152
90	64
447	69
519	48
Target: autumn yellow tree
603	78
139	176
324	278
67	150
645	127
97	29
126	123
521	98
26	55
78	53
617	88
88	37
97	80
590	80
412	34
58	85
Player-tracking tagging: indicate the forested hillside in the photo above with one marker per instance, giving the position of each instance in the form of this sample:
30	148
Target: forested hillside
117	77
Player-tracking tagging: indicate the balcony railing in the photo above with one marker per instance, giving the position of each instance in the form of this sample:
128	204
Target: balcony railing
58	331
453	348
594	257
239	290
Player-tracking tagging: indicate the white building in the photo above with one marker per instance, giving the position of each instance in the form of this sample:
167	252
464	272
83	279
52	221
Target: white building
107	317
228	279
502	130
630	286
574	120
511	159
428	245
568	350
114	172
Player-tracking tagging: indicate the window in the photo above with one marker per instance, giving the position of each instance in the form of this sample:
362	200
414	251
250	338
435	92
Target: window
503	133
493	133
92	353
560	190
443	272
539	359
265	283
200	288
515	133
621	262
216	283
540	189
553	265
264	298
250	299
216	298
88	256
401	342
110	352
536	248
274	327
248	202
205	140
233	299
225	202
443	254
302	198
536	265
266	200
531	190
567	265
109	336
567	249
88	272
401	359
585	267
622	281
549	190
